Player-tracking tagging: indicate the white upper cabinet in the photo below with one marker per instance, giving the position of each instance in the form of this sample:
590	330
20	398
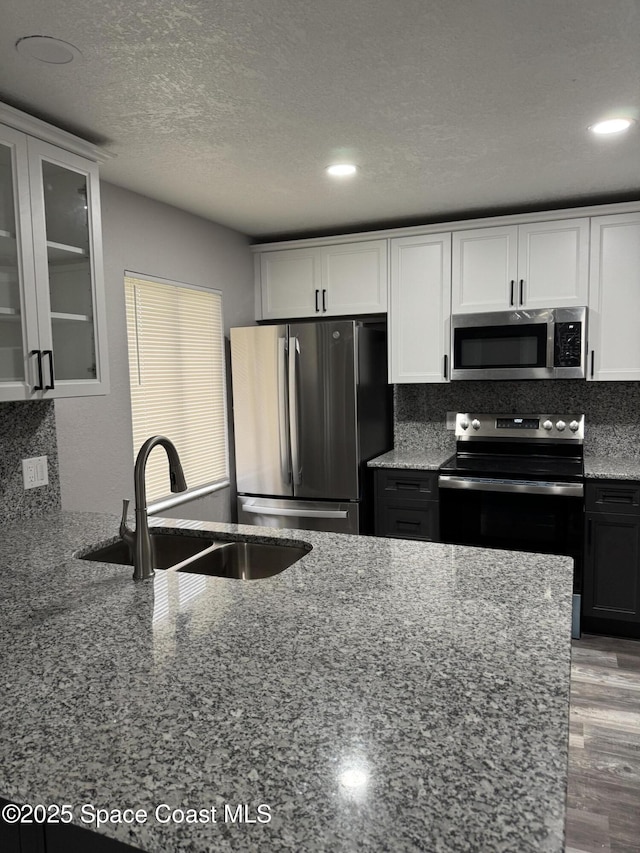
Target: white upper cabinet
354	278
290	283
323	281
52	318
419	308
614	303
539	265
484	269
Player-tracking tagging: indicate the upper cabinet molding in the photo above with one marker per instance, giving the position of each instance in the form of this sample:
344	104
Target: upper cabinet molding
454	225
39	129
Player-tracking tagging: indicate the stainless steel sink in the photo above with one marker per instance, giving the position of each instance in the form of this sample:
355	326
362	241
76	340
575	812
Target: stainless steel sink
245	560
206	556
169	549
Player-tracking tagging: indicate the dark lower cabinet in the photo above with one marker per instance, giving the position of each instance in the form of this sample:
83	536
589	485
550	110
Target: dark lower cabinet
55	838
611	593
406	504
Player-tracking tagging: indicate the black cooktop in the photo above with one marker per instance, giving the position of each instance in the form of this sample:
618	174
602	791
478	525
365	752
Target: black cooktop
527	462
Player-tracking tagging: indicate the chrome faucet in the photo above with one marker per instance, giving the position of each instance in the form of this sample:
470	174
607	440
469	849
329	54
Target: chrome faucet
139	540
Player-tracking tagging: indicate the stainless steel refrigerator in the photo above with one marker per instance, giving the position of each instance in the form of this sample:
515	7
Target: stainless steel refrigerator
311	405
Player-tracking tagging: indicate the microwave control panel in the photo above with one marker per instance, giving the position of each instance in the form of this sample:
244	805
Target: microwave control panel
567	351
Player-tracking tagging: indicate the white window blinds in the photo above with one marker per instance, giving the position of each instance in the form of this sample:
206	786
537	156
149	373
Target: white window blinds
176	367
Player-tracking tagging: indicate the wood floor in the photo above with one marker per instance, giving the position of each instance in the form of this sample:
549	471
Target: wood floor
603	802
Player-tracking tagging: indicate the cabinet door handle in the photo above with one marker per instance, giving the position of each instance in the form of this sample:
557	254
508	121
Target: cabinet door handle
446	366
324	300
589	533
51	374
511	296
593	362
40	385
317	298
521	291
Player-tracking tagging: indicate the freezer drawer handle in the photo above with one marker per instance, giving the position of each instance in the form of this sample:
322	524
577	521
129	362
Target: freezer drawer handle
296	513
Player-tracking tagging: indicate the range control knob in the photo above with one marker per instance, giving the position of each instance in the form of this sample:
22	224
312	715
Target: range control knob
475	423
560	426
547	425
574	426
464	424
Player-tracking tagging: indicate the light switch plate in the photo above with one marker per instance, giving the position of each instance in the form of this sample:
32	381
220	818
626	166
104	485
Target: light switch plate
35	472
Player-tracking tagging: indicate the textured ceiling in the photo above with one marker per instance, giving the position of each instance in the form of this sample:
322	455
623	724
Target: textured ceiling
232	108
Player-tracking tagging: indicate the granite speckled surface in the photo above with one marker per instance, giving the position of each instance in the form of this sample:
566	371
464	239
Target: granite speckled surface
378	695
414	458
612	410
611	468
27	429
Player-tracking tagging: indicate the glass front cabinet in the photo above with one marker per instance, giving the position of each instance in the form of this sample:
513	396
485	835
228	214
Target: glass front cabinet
52	315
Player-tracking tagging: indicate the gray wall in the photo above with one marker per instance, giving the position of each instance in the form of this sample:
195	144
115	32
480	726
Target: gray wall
612	410
27	429
148	237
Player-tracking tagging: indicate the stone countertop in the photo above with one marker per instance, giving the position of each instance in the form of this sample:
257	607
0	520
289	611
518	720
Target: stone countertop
420	460
379	694
611	468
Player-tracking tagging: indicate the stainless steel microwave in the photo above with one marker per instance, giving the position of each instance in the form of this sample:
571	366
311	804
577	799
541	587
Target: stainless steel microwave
544	344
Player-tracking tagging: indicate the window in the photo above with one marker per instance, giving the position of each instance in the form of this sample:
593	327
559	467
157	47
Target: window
177	373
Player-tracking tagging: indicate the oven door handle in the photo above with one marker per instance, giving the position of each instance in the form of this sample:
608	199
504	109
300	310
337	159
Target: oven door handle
524	487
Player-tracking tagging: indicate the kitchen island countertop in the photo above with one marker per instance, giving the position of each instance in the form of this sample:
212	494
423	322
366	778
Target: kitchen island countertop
377	695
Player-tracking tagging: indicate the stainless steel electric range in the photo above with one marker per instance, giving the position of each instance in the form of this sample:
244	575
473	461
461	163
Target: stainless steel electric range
517	482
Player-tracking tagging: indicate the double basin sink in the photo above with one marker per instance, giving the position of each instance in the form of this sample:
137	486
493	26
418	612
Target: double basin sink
203	555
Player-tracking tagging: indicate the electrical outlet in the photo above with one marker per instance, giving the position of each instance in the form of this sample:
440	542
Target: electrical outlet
35	472
451	420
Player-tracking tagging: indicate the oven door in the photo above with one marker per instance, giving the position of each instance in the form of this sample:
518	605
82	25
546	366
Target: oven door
511	345
543	518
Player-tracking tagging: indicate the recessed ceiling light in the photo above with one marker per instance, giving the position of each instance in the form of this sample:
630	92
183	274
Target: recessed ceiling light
612	125
47	49
341	170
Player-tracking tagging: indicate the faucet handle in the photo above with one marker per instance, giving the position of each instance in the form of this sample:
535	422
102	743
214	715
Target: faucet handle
125	531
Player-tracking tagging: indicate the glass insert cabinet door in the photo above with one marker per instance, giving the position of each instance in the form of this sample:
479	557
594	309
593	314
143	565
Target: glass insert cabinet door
18	317
68	264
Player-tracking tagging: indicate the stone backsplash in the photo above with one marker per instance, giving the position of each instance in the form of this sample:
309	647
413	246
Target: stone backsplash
27	429
611	409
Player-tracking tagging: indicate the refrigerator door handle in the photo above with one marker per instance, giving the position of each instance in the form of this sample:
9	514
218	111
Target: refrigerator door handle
298	513
294	350
283	412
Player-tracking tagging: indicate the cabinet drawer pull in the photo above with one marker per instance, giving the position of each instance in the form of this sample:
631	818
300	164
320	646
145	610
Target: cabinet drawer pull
40	385
53	384
400	522
616	498
406	486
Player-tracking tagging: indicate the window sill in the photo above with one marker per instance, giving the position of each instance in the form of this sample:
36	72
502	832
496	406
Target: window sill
185	497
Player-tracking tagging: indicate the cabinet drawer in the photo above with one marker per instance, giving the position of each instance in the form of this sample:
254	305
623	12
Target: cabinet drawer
406	485
408	521
615	496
